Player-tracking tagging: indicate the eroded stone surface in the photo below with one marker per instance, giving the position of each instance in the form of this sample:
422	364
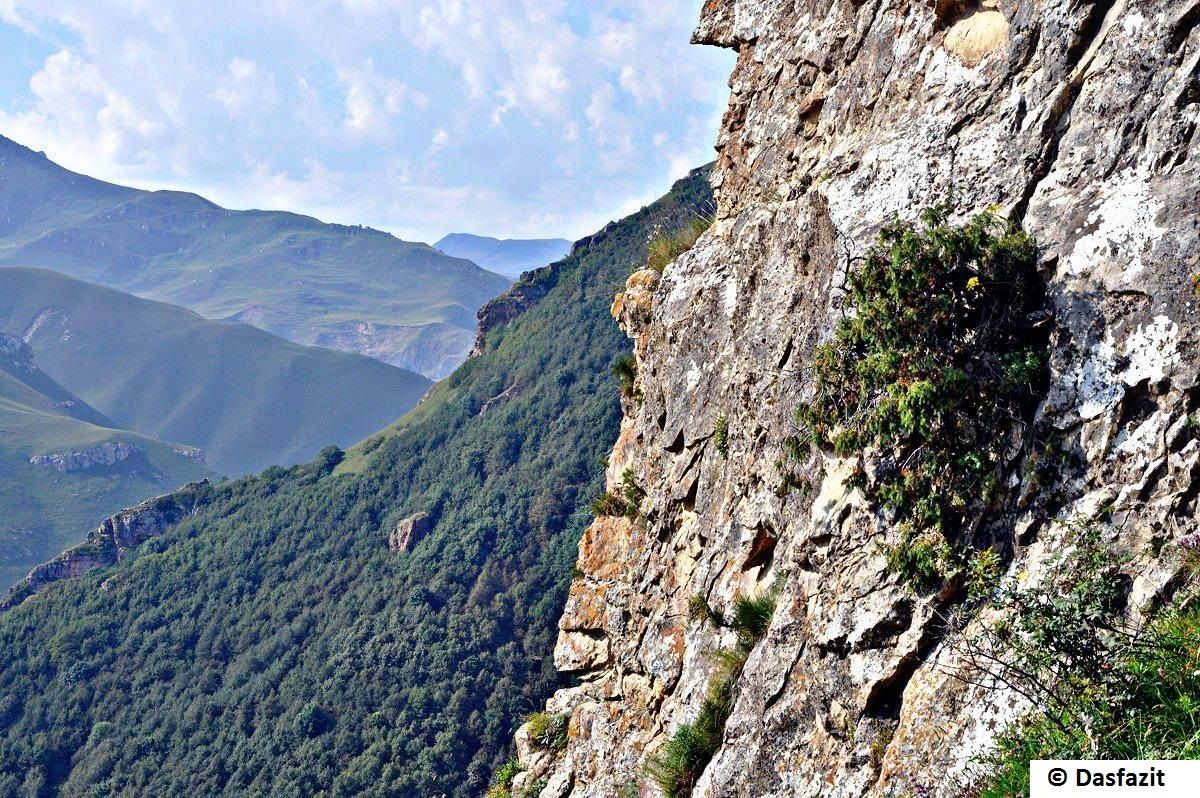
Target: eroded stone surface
1076	118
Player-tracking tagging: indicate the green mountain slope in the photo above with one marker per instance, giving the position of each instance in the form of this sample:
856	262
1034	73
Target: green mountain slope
247	398
274	644
50	504
291	275
509	257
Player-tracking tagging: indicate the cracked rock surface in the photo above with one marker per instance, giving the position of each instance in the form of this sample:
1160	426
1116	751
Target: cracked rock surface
1076	118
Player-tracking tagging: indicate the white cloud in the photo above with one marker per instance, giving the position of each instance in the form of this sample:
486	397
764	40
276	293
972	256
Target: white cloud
246	87
10	15
75	109
559	113
373	101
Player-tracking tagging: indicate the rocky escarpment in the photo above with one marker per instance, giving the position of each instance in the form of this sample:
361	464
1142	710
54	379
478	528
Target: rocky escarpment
527	291
1076	119
434	350
112	540
520	297
107	454
15	350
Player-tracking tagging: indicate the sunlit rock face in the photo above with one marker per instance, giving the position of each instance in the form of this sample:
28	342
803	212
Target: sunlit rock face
1078	119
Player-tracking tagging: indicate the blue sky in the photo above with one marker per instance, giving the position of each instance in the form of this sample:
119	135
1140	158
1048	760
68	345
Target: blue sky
514	118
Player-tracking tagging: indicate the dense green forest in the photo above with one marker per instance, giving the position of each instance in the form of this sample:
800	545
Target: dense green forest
275	645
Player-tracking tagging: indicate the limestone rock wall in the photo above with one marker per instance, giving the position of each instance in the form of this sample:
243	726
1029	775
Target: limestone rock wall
1077	118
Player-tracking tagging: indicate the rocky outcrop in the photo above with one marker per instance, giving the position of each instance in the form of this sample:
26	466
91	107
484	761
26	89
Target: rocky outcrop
1076	119
190	452
520	297
16	351
409	531
112	540
106	454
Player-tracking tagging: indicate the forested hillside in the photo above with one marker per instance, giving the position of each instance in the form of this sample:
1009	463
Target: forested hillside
296	637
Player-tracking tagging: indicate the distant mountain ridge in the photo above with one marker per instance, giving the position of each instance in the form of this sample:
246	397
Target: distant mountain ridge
249	399
291	275
510	257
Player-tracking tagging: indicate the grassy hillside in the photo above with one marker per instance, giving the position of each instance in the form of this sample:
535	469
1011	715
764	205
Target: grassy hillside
43	510
291	275
247	398
275	645
509	257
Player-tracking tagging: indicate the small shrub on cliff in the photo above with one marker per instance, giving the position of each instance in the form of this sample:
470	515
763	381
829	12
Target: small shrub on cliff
751	617
625	370
692	746
721	436
608	505
502	781
930	370
548	731
664	248
632	492
625	503
676	769
1102	688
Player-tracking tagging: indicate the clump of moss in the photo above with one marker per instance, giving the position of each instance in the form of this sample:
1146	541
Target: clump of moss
931	369
721	436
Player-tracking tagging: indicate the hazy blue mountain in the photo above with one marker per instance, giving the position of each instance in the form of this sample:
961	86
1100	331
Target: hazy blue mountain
64	466
352	287
510	257
245	397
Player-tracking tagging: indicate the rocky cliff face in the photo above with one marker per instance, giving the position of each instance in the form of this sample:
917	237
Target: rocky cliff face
434	350
112	540
1077	119
106	454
